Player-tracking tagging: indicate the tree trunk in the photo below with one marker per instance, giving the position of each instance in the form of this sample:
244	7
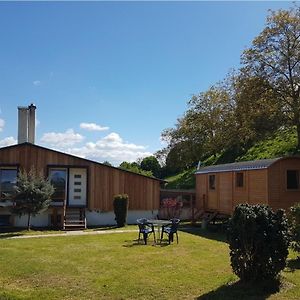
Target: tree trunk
29	221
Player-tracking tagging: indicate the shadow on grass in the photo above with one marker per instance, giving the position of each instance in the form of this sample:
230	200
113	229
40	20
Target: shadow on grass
150	242
292	265
8	232
10	235
104	228
211	232
240	290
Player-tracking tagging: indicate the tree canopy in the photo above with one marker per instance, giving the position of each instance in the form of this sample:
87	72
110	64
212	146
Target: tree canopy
249	105
32	194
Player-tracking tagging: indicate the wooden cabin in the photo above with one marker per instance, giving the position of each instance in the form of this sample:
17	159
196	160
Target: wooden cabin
84	189
274	182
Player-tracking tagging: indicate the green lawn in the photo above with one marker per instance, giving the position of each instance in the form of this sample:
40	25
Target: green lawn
114	266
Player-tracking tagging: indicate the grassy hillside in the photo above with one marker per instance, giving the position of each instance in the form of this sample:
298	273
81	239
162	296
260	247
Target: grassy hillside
183	180
283	143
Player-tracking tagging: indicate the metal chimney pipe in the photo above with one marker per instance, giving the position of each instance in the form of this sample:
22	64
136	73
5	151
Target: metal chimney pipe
22	124
31	123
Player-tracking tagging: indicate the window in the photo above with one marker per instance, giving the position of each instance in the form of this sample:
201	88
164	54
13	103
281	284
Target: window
212	182
239	179
77	190
8	180
77	197
58	178
292	179
77	176
77	183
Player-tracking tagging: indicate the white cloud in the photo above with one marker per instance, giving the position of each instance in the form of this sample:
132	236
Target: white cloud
7	141
62	139
111	148
93	127
2	123
36	82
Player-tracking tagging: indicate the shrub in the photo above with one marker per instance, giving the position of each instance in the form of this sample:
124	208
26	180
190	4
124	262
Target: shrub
32	194
294	222
258	242
121	203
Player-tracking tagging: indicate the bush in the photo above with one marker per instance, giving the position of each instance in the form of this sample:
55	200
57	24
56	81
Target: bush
258	241
121	203
294	222
32	194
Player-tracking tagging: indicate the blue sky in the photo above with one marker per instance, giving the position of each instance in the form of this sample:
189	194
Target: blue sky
108	77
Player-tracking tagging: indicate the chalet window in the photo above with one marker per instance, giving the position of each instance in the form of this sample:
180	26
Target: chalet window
58	178
212	182
8	180
239	179
292	179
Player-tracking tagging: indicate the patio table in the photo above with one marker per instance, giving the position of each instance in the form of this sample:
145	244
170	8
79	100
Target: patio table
158	224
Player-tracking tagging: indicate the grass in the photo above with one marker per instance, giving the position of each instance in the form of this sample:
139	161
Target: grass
6	232
183	180
115	266
283	143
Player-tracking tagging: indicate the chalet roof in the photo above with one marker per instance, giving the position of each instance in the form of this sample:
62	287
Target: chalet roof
238	166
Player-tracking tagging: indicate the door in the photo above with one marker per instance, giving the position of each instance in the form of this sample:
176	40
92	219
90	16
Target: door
77	186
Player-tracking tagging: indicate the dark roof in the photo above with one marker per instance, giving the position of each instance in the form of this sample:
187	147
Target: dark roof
87	160
239	166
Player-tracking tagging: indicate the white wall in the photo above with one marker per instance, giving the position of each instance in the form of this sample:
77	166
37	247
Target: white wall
93	218
41	220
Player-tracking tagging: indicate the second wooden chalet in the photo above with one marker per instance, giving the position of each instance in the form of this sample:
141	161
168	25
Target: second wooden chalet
274	182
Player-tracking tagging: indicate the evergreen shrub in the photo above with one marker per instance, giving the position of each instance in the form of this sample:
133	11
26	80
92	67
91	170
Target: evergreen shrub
258	242
120	204
294	223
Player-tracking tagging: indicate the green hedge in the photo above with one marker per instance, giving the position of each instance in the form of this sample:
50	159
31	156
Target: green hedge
120	204
258	241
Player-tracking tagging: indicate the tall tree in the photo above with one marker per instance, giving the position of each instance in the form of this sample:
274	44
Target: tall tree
275	57
257	115
150	163
207	128
135	168
32	194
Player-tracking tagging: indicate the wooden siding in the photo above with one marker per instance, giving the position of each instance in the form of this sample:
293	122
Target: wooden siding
225	192
264	186
258	188
201	191
103	181
226	195
279	195
212	195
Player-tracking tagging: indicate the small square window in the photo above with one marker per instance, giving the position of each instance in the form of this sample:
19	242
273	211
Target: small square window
77	176
77	197
77	183
292	179
77	190
239	179
212	182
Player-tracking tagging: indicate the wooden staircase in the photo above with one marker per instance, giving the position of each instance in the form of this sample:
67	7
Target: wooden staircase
74	218
196	214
